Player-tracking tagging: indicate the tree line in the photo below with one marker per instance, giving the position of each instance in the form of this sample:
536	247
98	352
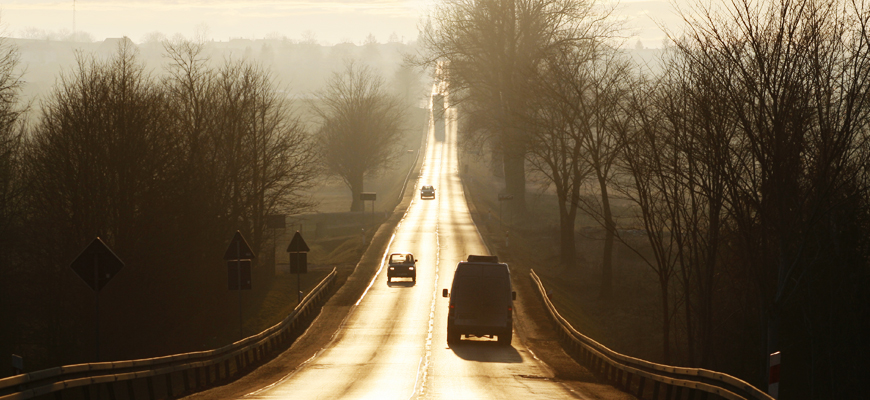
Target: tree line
746	162
164	170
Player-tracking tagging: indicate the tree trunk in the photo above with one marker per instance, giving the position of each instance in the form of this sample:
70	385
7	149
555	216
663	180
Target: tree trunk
709	281
515	178
566	235
609	227
356	188
666	325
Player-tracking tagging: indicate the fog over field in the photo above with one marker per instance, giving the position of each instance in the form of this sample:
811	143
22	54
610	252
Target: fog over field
300	66
331	21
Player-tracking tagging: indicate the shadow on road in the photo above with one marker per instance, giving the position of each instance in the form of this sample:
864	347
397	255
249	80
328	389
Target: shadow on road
486	351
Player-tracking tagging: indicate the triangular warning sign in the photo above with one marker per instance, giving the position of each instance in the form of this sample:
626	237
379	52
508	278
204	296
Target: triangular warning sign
239	249
297	244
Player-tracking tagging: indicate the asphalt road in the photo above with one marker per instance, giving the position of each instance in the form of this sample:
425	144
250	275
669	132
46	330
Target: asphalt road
393	343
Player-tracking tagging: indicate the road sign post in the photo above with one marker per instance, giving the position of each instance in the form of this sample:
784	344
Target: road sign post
773	375
298	253
17	365
275	222
238	251
368	196
97	265
501	198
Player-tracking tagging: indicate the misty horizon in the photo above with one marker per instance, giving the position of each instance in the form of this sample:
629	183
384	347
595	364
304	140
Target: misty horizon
327	23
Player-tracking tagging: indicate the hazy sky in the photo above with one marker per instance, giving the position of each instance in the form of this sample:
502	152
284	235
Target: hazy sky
331	21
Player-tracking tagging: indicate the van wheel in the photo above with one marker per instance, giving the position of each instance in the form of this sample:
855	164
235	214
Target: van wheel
453	337
505	340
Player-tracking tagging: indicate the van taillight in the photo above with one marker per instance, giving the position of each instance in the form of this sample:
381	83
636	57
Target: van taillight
451	306
510	308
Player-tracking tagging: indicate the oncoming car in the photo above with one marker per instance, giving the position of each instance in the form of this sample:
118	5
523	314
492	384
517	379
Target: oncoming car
402	265
427	191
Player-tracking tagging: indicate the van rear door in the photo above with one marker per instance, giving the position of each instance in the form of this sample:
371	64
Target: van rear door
481	295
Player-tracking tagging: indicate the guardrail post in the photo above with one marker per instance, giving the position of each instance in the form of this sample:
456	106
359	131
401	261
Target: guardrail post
86	391
111	389
185	380
150	382
669	392
628	377
640	387
679	392
656	387
131	394
169	391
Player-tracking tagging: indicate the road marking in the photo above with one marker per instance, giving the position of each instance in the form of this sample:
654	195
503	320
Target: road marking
424	361
381	268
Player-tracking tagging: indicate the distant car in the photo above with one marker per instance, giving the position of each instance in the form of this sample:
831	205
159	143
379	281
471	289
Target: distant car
481	300
402	265
427	191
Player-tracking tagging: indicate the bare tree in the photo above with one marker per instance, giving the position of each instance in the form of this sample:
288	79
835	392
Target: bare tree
489	50
794	76
100	153
11	190
190	87
96	165
555	143
11	135
360	126
758	131
245	153
603	109
649	158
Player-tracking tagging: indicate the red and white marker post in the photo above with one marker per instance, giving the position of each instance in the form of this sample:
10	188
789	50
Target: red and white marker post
773	377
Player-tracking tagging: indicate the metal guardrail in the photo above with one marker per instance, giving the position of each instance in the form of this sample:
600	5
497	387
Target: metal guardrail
632	374
168	376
